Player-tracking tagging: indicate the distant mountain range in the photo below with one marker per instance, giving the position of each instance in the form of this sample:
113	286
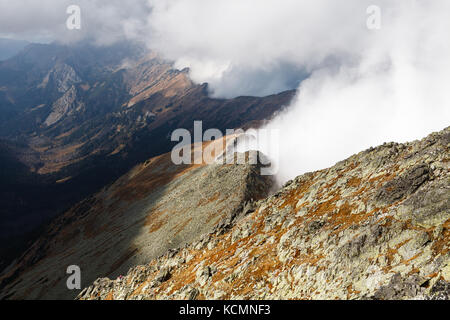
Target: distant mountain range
75	118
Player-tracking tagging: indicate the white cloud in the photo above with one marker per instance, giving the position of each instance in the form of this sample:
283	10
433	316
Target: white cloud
256	46
104	21
395	91
363	87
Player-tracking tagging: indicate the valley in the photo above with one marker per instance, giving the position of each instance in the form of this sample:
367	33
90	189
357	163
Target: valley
74	119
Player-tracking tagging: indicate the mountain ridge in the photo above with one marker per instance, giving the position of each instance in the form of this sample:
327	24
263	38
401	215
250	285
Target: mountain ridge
156	207
76	118
374	226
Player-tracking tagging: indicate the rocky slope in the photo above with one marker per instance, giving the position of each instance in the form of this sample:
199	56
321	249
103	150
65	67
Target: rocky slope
375	226
156	207
78	117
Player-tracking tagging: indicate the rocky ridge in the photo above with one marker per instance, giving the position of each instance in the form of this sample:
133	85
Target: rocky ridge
155	208
75	118
374	226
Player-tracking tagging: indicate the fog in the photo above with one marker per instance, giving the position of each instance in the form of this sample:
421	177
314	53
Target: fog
103	21
395	90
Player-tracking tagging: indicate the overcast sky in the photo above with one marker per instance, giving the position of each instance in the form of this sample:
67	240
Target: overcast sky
363	86
45	20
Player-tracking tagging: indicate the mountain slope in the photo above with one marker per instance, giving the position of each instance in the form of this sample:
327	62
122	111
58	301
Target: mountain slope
76	118
156	207
375	226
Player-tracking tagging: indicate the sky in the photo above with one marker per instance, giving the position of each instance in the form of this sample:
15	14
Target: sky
357	86
105	21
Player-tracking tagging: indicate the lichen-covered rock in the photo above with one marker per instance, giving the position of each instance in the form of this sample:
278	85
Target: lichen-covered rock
375	226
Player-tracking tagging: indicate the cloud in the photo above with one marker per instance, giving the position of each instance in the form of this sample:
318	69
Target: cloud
363	87
254	46
356	87
396	90
102	21
240	47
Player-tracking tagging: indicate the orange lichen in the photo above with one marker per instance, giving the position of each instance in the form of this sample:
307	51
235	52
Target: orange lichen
350	291
354	182
293	196
110	296
442	244
155	220
180	227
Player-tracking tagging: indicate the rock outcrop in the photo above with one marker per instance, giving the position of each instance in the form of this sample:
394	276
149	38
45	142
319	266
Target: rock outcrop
375	226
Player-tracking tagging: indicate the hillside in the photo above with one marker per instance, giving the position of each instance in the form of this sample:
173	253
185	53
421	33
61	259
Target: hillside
156	207
374	226
76	118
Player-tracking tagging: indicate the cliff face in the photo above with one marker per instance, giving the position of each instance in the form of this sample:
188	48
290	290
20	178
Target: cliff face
375	226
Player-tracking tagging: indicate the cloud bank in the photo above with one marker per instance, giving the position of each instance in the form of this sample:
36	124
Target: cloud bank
103	21
395	89
356	87
254	46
